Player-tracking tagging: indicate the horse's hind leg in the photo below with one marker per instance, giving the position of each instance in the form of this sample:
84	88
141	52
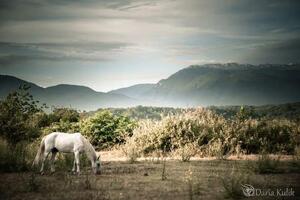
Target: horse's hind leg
52	159
74	166
45	155
76	153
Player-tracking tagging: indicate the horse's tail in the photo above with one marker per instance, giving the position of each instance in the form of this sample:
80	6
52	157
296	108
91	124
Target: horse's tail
39	153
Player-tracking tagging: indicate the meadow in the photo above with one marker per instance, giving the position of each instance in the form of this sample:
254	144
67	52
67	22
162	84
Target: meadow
151	153
153	179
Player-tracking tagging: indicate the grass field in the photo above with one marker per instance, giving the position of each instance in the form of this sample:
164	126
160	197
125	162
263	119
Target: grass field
154	179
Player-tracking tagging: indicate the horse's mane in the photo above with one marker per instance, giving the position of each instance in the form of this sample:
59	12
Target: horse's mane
89	149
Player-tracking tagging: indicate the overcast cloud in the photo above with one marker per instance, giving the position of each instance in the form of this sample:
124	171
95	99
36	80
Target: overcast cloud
116	43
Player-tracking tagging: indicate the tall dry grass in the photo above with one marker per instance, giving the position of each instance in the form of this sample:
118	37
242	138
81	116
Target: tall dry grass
205	133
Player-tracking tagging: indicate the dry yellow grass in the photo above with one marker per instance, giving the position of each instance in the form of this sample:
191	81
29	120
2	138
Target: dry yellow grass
141	180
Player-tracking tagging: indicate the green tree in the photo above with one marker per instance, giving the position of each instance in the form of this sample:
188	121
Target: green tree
65	115
106	129
17	113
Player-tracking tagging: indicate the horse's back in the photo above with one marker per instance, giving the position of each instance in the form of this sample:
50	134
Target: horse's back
64	142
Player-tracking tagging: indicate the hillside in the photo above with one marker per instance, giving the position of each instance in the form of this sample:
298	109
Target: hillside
135	91
74	96
225	84
198	85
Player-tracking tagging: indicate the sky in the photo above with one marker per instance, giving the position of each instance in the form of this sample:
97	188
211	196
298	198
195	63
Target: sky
109	44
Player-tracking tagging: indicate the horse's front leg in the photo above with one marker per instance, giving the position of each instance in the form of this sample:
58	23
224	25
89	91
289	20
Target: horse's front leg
52	162
74	166
77	155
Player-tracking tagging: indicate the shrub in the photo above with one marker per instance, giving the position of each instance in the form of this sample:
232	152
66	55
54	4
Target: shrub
187	151
62	126
16	160
297	153
182	133
213	135
105	130
232	183
274	135
17	112
65	115
266	165
131	150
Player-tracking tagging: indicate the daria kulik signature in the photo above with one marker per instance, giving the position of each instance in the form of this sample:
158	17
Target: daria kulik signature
250	191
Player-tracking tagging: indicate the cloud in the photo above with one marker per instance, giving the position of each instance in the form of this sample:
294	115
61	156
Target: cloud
280	52
16	53
154	35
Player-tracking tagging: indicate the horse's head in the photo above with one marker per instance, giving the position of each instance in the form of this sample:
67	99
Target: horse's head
96	166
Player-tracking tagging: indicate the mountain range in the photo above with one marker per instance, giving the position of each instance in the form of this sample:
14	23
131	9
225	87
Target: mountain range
63	95
197	85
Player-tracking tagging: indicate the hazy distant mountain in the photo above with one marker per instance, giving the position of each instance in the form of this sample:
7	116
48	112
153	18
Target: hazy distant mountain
10	83
74	96
211	84
224	84
135	91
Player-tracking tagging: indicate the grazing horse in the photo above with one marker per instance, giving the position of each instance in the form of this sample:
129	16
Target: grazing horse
66	143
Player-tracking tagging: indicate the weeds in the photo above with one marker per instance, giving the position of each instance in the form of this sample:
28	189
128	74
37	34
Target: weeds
68	181
15	159
131	150
87	183
32	184
266	165
189	181
296	155
187	151
163	173
232	182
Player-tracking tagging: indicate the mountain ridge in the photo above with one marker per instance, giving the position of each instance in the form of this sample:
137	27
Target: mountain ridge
228	84
67	95
197	85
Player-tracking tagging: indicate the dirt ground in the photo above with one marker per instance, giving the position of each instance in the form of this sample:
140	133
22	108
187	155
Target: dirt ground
152	179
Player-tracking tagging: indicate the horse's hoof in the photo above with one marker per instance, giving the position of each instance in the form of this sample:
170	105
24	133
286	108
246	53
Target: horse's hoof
42	173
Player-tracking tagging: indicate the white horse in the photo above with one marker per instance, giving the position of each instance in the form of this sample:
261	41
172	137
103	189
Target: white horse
66	143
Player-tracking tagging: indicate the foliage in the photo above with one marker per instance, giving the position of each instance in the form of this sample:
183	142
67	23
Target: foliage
105	130
62	126
201	130
18	117
32	185
65	115
290	111
16	160
131	150
266	165
141	112
187	151
232	182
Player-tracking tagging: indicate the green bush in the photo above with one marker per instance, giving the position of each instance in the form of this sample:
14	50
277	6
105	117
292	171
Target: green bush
17	117
105	129
65	115
62	126
274	136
